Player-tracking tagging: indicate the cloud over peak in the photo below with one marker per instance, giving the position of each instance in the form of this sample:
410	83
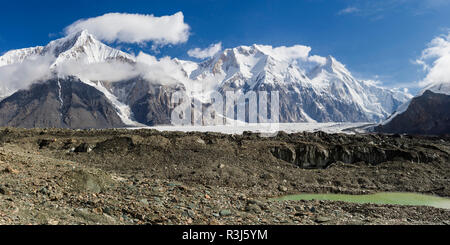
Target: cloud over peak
286	53
205	53
135	28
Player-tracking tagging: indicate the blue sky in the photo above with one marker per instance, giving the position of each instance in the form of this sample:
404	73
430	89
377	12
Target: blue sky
374	39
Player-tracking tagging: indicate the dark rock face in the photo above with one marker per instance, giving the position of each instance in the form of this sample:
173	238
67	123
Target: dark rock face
70	103
315	155
426	114
59	103
149	102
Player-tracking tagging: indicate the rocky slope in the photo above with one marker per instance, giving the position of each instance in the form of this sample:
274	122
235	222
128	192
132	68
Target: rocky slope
59	103
149	177
427	113
150	103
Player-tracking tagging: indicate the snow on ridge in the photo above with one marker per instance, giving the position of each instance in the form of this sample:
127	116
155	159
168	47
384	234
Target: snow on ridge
123	110
438	87
84	47
81	46
19	55
255	66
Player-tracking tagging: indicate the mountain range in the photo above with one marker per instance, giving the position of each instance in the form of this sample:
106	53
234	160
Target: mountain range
79	82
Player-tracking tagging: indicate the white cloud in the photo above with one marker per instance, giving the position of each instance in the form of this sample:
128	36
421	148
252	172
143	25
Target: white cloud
104	71
135	28
317	59
164	70
348	10
205	53
20	76
287	53
167	71
436	61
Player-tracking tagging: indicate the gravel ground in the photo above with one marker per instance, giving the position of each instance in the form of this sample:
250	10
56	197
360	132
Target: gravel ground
149	177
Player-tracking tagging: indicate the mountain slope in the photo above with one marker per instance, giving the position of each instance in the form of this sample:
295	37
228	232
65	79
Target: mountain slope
58	103
81	47
149	102
427	113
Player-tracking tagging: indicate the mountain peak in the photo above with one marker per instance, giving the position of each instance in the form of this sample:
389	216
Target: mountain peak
73	40
331	62
83	36
83	46
334	66
83	32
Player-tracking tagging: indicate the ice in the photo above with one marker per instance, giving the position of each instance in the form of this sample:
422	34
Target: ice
347	128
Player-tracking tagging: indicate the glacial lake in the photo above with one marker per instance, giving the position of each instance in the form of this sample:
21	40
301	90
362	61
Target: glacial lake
395	198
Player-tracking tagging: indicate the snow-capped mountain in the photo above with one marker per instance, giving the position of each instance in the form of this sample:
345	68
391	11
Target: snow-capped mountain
309	91
83	47
80	47
311	88
77	49
100	110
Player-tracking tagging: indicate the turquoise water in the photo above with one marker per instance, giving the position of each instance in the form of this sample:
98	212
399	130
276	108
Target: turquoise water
395	198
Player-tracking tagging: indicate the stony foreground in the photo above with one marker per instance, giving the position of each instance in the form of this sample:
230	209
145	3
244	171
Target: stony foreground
148	177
